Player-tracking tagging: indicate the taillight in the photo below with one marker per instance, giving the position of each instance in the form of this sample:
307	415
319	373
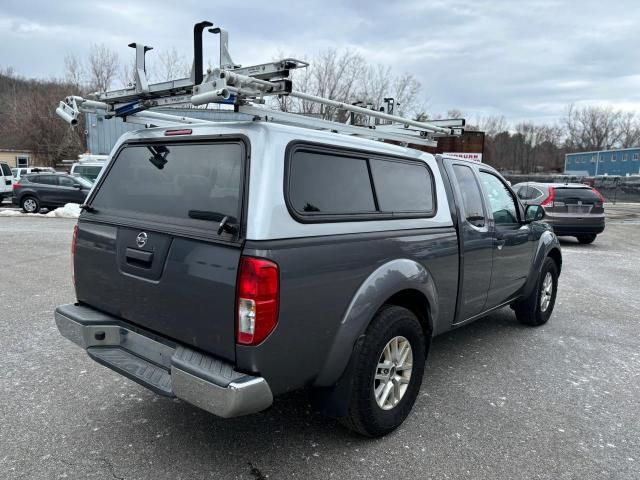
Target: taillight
257	300
74	238
549	200
16	186
598	194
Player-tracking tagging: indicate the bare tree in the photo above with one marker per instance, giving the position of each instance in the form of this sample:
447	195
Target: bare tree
629	126
375	85
103	67
173	65
127	73
74	71
592	127
335	76
379	83
491	125
405	93
346	77
28	119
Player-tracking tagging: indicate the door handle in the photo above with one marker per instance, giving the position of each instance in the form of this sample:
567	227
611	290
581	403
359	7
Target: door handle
139	258
500	242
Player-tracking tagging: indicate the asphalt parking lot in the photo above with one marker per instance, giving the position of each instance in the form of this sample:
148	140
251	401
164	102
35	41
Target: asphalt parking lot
499	400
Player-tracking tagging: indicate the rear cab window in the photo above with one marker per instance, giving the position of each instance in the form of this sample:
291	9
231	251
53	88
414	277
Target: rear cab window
472	205
174	185
325	184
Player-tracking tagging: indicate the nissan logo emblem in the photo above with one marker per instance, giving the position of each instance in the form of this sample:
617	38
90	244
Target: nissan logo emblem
141	239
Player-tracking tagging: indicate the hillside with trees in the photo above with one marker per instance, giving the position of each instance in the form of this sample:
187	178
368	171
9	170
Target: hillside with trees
28	120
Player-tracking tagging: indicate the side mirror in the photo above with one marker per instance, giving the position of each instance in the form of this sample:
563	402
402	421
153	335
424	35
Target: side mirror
533	213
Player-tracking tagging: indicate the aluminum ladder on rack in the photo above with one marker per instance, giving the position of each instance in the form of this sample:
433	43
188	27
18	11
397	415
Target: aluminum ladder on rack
244	88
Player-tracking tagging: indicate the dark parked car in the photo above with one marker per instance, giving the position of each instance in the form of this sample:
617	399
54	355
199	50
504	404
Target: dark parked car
318	261
572	209
48	190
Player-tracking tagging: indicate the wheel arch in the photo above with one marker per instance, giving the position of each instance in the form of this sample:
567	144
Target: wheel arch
556	256
548	246
401	282
417	303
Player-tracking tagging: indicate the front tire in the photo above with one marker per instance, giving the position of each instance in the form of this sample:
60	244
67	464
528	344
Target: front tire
30	205
388	372
586	239
536	309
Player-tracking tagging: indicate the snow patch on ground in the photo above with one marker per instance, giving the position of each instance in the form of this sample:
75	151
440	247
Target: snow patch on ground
70	210
10	213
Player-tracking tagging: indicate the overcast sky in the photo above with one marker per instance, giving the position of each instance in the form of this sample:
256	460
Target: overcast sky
522	59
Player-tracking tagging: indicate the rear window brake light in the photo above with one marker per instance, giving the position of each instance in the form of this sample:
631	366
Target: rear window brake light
174	132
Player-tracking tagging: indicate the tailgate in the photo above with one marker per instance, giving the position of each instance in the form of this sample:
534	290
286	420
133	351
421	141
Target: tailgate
149	252
577	202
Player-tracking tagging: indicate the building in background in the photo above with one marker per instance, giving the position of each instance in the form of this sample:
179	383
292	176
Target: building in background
622	162
470	146
17	158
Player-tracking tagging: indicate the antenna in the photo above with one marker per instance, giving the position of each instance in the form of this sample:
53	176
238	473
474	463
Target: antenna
244	88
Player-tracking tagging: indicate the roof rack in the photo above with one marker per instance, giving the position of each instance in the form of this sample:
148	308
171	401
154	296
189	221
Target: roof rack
245	88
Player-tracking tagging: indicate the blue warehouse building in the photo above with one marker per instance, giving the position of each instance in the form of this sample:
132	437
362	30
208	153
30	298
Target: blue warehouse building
622	162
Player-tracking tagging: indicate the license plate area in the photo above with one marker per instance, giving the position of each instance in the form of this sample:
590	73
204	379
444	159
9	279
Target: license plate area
579	209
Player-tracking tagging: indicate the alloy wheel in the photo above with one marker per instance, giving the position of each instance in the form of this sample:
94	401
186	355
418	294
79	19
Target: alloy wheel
393	373
546	292
30	205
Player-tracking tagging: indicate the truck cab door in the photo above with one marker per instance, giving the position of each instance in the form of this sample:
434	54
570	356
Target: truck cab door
513	248
475	238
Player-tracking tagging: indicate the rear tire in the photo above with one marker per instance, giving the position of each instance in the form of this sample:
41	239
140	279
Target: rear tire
30	204
585	239
394	339
536	309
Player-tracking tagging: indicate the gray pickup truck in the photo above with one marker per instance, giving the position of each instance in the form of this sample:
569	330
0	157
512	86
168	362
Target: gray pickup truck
227	264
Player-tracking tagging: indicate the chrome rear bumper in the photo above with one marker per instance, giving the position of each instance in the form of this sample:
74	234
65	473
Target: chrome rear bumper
172	370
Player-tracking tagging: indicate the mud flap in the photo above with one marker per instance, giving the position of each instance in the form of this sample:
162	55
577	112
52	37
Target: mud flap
334	401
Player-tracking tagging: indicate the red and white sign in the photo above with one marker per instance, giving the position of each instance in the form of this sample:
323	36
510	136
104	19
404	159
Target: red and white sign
476	157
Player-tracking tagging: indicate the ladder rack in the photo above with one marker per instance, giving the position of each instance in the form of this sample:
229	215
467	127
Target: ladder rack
244	88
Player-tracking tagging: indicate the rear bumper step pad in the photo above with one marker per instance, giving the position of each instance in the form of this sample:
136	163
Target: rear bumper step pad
169	370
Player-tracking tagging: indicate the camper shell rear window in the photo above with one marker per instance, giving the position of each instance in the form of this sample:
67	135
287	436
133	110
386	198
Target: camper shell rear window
176	185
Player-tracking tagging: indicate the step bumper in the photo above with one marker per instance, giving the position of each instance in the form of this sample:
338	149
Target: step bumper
167	368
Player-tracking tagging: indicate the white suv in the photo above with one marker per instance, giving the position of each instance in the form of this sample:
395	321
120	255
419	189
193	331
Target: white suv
6	181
